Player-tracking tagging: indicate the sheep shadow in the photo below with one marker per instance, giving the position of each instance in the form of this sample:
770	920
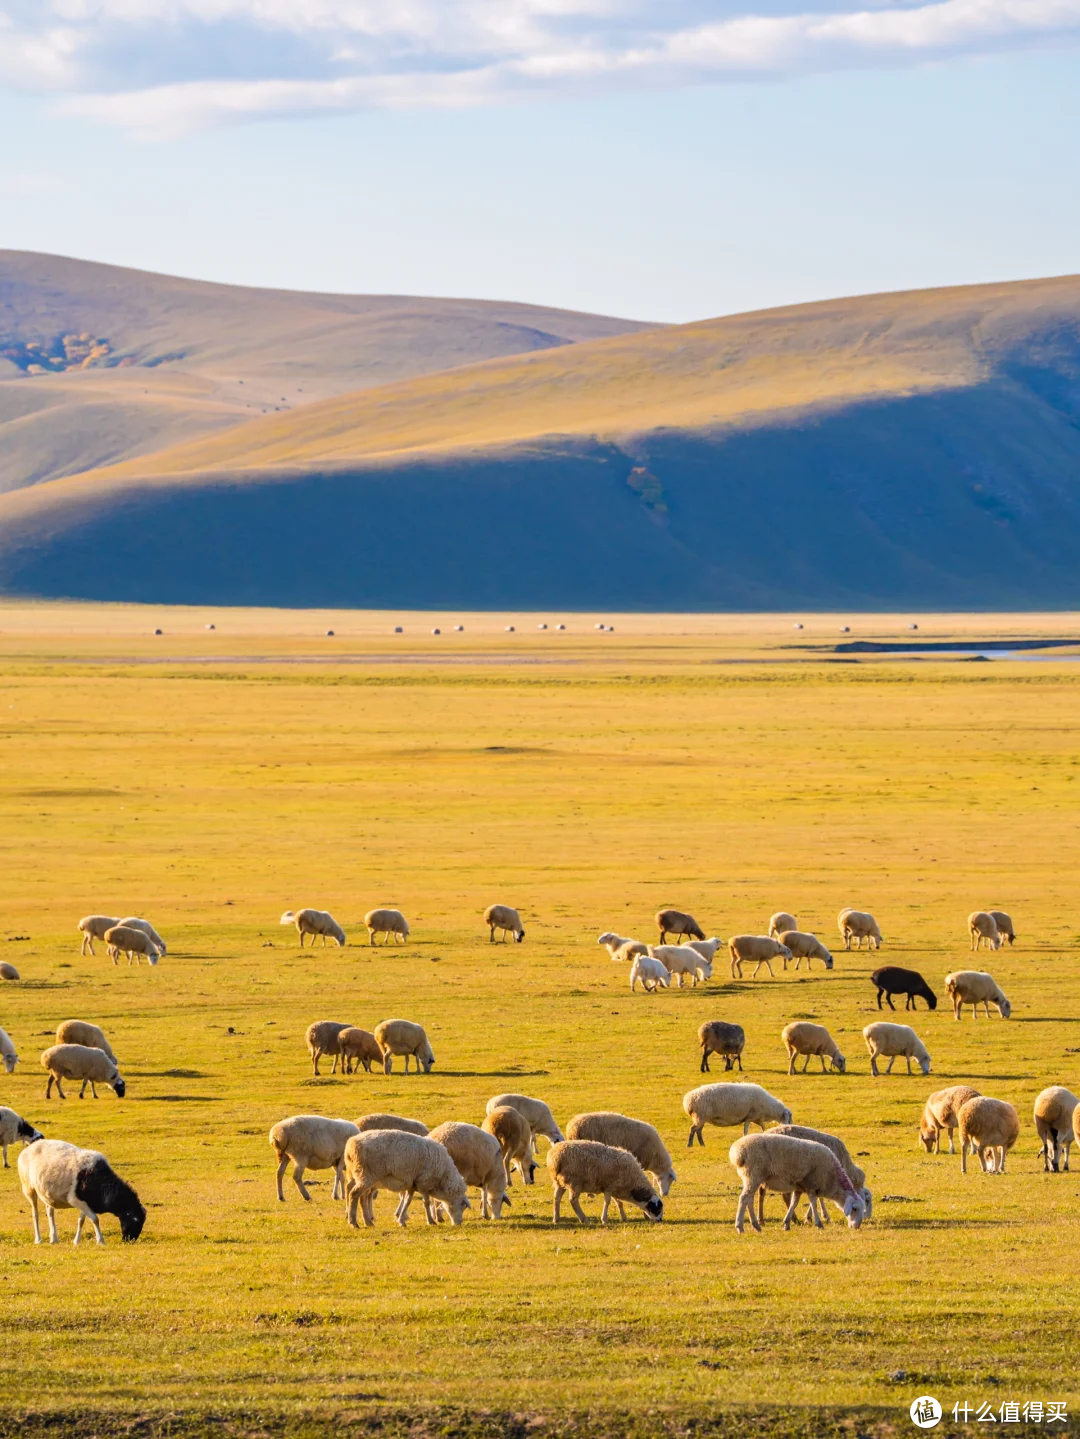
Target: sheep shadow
490	1074
182	1098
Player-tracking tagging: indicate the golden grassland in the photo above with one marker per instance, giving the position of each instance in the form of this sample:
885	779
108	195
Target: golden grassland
211	796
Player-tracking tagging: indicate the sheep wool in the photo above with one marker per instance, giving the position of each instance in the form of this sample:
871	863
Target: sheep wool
510	1128
535	1112
804	946
323	1037
893	1041
356	1047
792	1166
502	917
582	1166
730	1104
990	1128
78	1061
680	960
940	1112
78	1031
405	1164
1054	1110
621	1132
61	1176
802	1037
756	949
982	927
857	925
14	1128
311	1141
390	922
390	1121
652	974
781	922
94	926
135	943
478	1159
319	923
674	921
975	987
7	1052
401	1036
727	1040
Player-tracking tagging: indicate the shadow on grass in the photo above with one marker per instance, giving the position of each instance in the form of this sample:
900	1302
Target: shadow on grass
488	1073
180	1098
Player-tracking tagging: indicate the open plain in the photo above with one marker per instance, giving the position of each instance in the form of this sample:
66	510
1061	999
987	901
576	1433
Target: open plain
730	766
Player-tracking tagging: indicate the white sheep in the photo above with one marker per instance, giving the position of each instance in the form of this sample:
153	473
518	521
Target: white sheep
535	1112
511	1129
780	922
390	922
321	1038
133	922
940	1112
805	946
92	927
1004	924
7	1052
78	1061
582	1166
501	916
756	949
479	1160
405	1164
133	942
847	1164
652	974
356	1047
705	947
78	1031
975	987
892	1041
679	960
792	1166
621	1132
987	1125
801	1037
982	926
62	1176
311	1141
619	947
401	1036
13	1128
857	925
673	921
316	922
728	1104
1054	1109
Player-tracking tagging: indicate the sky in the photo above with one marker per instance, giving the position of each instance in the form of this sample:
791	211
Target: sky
660	159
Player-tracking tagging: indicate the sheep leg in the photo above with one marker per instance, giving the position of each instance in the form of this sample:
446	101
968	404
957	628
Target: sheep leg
982	1157
50	1212
604	1209
575	1205
791	1061
85	1212
338	1190
822	1058
401	1214
6	1164
745	1207
333	1067
791	1209
34	1215
282	1166
761	1202
1001	1158
432	1211
558	1202
315	1057
367	1206
815	1201
353	1199
695	1129
892	1061
298	1180
705	1062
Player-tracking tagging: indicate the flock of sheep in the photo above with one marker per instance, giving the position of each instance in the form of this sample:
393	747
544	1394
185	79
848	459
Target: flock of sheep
620	1158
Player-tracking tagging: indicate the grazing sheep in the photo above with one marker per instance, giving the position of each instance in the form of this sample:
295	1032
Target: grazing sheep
535	1112
62	1176
311	1141
781	922
891	979
94	926
717	1037
651	972
132	942
810	1039
890	1041
680	959
388	922
78	1061
727	1104
8	971
582	1166
501	916
804	946
857	925
941	1113
1054	1110
705	947
620	948
983	926
13	1128
315	922
673	921
987	1124
758	949
975	987
133	922
323	1037
634	1135
7	1052
847	1164
510	1127
401	1036
78	1031
479	1160
390	1121
405	1164
792	1166
358	1046
1004	924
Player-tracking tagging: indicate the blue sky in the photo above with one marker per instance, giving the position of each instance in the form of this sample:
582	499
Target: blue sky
666	159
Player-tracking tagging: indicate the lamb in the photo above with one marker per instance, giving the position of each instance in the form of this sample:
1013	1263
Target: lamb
941	1113
388	922
132	942
620	948
634	1135
582	1166
1004	924
62	1176
847	1164
725	1104
535	1112
510	1127
890	979
92	927
705	947
802	1037
651	972
680	959
8	971
717	1037
781	922
796	1167
7	1052
13	1128
390	1121
975	987
756	948
804	946
311	1141
406	1164
78	1031
323	1037
479	1160
987	1124
501	916
890	1041
357	1046
673	921
983	926
1054	1110
401	1036
857	925
133	922
315	922
78	1061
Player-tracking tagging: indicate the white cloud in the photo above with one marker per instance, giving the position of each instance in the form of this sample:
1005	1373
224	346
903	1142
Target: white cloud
164	66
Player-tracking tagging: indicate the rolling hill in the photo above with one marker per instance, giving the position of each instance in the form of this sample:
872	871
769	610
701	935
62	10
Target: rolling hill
915	450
